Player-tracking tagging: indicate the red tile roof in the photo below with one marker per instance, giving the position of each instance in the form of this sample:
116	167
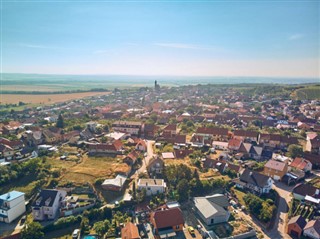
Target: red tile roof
130	231
276	165
166	218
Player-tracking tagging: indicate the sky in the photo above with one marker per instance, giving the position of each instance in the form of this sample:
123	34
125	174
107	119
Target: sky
185	38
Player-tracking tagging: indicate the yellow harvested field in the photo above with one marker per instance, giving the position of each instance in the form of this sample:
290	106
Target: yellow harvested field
45	98
88	169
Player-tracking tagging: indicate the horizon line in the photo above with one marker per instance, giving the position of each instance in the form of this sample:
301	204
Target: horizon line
164	75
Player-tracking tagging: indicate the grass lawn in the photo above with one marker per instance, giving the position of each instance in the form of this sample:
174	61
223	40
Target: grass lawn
239	195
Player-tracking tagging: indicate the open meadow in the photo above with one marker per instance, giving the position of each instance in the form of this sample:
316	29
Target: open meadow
45	98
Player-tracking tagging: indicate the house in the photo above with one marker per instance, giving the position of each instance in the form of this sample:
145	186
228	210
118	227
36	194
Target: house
152	186
141	145
50	137
304	189
245	135
166	222
180	140
302	164
47	204
167	155
256	152
234	144
116	147
170	130
155	166
6	152
275	169
313	158
254	181
270	140
313	143
130	231
215	133
150	131
198	141
114	184
11	127
312	229
220	145
130	127
116	135
182	153
12	205
131	158
212	209
295	226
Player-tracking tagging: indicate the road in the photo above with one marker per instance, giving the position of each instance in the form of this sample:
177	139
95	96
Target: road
146	160
280	225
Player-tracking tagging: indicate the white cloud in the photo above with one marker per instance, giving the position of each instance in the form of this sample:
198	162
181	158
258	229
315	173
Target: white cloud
296	36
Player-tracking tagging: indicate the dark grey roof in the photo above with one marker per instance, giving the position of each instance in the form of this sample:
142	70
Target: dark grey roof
45	194
254	178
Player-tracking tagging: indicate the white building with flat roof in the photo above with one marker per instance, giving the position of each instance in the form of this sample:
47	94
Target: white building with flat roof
152	186
12	205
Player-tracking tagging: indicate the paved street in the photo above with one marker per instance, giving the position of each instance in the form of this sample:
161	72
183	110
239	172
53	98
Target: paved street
279	228
146	160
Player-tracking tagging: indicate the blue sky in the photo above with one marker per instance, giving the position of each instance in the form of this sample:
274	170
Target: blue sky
205	38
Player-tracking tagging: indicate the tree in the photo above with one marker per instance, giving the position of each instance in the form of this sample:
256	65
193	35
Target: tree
183	189
84	225
60	122
101	227
295	150
134	192
32	230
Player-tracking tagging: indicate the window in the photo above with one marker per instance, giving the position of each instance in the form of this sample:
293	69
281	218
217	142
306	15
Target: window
212	220
177	227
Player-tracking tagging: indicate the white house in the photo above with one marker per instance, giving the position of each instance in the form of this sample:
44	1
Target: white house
254	181
152	186
220	145
12	205
312	229
47	204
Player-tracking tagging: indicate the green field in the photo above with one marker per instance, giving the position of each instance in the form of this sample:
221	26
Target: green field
308	93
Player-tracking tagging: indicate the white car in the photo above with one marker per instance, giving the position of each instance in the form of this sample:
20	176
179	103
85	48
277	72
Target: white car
76	234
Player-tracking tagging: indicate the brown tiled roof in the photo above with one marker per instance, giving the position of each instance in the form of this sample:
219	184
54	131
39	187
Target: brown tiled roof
180	139
212	131
170	127
272	137
313	158
166	218
130	231
299	163
276	165
182	153
245	133
234	143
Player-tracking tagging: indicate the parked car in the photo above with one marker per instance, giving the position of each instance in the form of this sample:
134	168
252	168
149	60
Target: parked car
76	234
191	230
